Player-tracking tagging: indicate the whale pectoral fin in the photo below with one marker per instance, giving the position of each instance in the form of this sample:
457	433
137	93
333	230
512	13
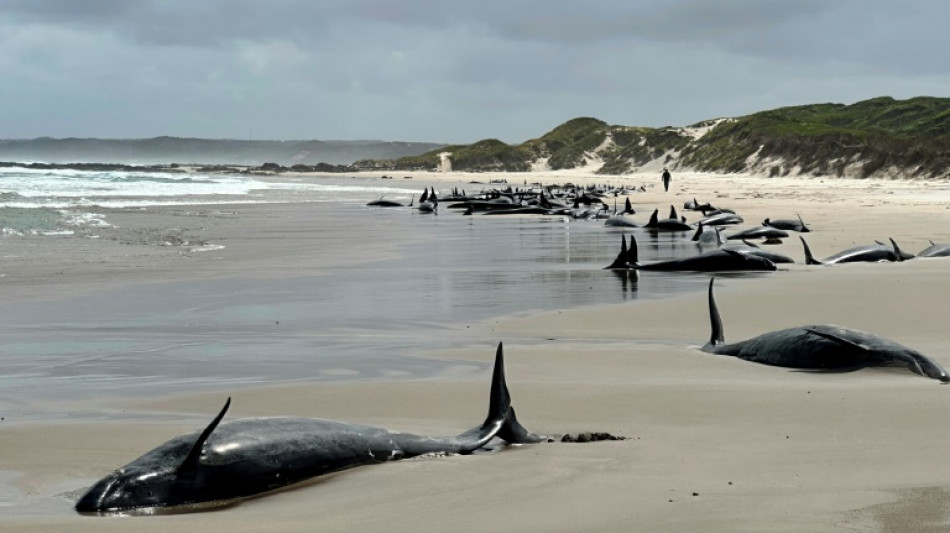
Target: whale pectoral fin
915	367
840	340
191	460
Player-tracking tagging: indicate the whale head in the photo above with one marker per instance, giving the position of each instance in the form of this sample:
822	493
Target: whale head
133	488
164	477
932	369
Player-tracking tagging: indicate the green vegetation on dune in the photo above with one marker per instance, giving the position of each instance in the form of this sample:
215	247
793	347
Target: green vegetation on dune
868	137
824	139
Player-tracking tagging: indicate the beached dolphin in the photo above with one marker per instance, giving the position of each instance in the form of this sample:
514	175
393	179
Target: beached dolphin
712	236
667	224
385	203
935	250
867	253
771	235
230	461
721	260
693	205
428	202
722	218
788	224
749	248
617	220
820	347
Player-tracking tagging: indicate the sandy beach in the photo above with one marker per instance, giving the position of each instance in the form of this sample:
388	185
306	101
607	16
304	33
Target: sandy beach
713	443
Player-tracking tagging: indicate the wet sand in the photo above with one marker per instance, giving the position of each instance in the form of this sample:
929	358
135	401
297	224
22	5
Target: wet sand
714	444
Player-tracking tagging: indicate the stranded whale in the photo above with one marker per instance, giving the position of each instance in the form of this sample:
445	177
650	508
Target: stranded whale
788	224
230	461
820	347
720	260
867	253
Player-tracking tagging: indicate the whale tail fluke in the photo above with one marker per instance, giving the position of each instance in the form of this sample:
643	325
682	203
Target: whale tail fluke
501	421
717	336
809	259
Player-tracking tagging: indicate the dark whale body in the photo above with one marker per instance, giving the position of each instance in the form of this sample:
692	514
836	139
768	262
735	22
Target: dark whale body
385	203
247	457
722	218
935	250
746	248
867	253
721	260
766	232
666	224
788	224
820	347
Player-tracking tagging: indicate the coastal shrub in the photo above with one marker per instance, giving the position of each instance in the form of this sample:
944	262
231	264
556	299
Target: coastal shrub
822	138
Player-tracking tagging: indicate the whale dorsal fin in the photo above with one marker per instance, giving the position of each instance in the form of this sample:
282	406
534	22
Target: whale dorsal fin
191	460
897	250
621	260
699	231
809	259
717	336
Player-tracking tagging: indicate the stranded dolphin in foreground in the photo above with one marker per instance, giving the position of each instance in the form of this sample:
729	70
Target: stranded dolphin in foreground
820	347
251	456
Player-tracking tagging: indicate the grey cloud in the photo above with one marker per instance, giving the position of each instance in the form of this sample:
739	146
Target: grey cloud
451	72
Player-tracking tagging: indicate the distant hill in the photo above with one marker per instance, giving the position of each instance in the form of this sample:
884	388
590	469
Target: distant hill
167	150
879	137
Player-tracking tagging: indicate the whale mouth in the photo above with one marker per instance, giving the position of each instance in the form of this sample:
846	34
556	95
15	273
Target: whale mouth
183	508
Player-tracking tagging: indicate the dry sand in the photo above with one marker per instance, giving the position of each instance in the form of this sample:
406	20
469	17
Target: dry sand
714	443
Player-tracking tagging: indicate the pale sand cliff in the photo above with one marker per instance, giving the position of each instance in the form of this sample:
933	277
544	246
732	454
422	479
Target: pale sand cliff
714	444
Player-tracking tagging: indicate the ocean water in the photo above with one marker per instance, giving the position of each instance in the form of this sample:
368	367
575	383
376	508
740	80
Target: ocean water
57	202
364	322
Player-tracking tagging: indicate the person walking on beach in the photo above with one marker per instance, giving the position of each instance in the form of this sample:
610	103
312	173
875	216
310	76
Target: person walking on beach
666	179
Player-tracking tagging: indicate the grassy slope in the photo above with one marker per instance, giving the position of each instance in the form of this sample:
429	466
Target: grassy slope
818	139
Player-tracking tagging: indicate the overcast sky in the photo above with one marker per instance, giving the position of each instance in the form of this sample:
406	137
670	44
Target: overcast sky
446	71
